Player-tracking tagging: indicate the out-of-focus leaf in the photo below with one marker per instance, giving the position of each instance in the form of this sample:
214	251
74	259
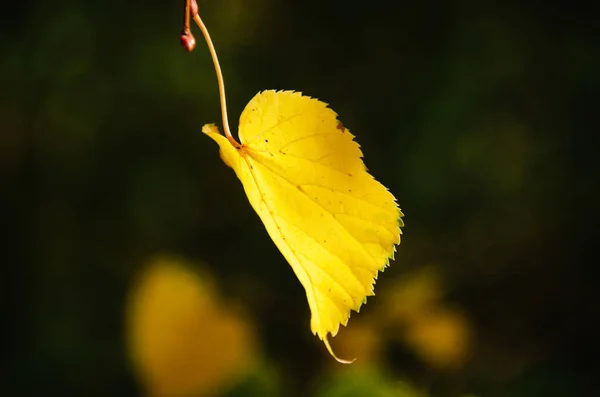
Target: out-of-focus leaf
411	295
182	341
440	338
363	340
415	311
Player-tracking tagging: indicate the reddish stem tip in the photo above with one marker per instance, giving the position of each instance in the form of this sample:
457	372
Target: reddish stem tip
193	7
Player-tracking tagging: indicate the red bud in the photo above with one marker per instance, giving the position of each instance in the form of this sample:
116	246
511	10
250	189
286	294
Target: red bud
188	41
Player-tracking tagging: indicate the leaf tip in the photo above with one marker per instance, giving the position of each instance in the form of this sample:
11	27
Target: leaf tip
210	129
330	350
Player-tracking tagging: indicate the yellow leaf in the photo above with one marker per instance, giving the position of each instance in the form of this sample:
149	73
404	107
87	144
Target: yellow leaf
441	338
304	176
181	339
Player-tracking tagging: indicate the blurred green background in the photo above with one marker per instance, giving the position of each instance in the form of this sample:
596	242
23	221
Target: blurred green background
478	115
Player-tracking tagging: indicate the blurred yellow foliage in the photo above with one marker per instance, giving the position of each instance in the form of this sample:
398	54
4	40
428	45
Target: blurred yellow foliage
361	341
441	338
411	311
439	334
181	340
408	297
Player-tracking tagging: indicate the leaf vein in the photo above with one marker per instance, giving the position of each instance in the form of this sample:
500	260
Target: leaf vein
277	124
319	205
330	252
312	283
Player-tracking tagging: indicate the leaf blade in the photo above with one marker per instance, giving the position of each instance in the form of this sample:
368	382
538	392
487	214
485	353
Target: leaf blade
333	222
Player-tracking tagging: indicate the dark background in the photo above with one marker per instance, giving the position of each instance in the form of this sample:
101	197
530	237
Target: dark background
480	116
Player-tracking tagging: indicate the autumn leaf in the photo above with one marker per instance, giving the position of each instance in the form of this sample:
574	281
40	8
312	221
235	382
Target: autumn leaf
304	176
181	339
414	313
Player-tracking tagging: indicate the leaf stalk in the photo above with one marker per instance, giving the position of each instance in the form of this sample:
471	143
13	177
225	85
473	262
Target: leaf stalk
191	8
